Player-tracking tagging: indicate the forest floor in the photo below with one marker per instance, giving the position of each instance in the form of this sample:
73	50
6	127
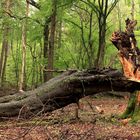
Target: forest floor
98	121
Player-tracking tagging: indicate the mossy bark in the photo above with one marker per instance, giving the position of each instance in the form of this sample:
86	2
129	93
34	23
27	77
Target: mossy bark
65	89
133	108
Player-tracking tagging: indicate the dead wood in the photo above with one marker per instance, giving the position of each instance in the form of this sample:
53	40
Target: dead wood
65	89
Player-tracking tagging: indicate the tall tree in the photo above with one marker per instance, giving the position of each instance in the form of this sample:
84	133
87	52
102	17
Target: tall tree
119	16
49	38
45	48
102	8
52	40
24	38
5	43
82	32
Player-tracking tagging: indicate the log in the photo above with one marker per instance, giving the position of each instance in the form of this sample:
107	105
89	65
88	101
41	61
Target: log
65	89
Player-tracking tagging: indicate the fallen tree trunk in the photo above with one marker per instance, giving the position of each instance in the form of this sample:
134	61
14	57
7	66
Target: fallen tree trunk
65	89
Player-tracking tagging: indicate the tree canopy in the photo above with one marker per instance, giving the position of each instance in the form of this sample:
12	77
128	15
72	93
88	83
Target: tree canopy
58	35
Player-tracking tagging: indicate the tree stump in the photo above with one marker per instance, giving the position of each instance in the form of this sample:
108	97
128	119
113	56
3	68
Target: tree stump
129	56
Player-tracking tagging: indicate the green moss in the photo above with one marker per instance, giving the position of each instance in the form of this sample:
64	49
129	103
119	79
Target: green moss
136	114
130	108
18	98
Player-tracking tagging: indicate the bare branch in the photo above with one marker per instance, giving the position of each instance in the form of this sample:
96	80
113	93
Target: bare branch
22	18
112	7
93	6
33	3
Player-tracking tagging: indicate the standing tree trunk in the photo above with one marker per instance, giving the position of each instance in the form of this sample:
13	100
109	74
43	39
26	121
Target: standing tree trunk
22	81
59	34
5	44
119	16
90	41
101	49
52	40
102	11
4	54
45	51
132	9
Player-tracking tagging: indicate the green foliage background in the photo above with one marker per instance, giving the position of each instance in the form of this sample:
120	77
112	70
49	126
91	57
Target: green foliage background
71	54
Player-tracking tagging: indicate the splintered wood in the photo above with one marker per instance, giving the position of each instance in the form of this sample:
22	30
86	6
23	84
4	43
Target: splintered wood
129	54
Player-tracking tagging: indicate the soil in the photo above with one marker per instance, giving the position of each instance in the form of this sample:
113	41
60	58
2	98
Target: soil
98	120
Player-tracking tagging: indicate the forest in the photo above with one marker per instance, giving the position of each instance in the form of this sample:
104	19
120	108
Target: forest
69	69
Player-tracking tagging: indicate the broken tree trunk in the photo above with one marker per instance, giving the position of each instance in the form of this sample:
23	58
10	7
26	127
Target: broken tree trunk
65	89
129	56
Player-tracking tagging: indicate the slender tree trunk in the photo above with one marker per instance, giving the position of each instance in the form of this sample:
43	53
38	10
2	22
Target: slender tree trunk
22	74
101	49
90	42
60	34
52	41
2	59
119	16
4	55
15	54
22	81
45	51
133	9
5	44
3	76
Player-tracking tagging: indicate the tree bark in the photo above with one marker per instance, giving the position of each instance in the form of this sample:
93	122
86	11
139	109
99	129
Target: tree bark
133	9
45	48
101	49
102	17
129	55
52	40
22	81
102	11
65	89
5	43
